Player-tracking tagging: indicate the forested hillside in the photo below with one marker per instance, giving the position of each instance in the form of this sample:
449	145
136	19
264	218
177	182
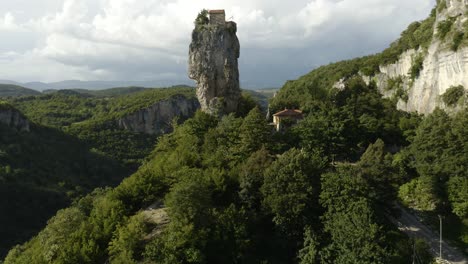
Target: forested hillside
41	171
231	189
420	71
9	90
71	146
319	83
112	92
91	116
237	193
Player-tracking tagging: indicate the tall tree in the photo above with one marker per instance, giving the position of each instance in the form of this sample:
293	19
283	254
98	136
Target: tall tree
291	189
356	236
254	132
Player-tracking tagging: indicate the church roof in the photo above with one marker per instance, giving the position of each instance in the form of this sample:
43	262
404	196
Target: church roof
218	11
289	113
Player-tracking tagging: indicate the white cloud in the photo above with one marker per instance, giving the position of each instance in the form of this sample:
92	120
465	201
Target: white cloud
131	39
8	23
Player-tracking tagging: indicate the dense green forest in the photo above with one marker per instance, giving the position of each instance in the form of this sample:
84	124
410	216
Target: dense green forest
235	192
91	116
112	92
230	189
73	146
42	171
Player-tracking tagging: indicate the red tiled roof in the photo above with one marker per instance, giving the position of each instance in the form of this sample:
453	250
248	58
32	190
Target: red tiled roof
289	112
219	11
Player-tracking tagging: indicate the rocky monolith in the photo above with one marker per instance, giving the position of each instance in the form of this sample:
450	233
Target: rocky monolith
213	65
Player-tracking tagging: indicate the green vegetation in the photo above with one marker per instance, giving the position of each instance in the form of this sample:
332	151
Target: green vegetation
41	172
437	155
417	35
112	92
394	84
93	118
453	95
236	193
400	94
4	105
56	110
441	5
9	90
457	40
74	146
317	85
259	96
355	117
448	29
67	107
202	19
444	27
417	65
124	105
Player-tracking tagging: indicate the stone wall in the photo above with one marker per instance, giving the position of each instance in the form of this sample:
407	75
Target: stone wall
217	19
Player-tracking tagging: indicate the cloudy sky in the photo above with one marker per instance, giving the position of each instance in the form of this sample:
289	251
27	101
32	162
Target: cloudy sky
143	40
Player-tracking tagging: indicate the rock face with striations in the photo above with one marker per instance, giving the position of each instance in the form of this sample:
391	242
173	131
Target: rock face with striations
213	65
13	118
442	67
157	119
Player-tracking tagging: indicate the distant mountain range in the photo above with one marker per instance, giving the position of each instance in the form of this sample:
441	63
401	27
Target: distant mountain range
91	85
100	85
7	90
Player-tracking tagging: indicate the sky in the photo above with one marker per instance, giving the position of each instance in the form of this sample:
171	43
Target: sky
148	40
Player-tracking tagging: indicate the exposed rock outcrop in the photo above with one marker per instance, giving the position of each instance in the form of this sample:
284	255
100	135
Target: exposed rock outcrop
156	215
441	70
157	118
213	65
442	67
13	119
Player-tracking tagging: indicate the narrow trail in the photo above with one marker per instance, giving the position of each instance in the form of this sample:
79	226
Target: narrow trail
410	225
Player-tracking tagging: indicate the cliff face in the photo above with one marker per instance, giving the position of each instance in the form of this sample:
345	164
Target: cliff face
213	65
14	119
442	67
157	118
441	70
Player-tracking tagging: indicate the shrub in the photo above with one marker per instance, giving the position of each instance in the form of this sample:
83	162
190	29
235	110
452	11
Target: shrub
457	196
419	194
5	105
444	27
457	40
370	70
202	19
394	83
452	95
402	94
418	61
441	5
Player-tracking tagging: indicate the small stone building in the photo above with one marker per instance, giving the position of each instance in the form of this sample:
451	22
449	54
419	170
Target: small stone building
217	17
286	118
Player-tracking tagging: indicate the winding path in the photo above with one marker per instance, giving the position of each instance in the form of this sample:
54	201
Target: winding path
410	225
